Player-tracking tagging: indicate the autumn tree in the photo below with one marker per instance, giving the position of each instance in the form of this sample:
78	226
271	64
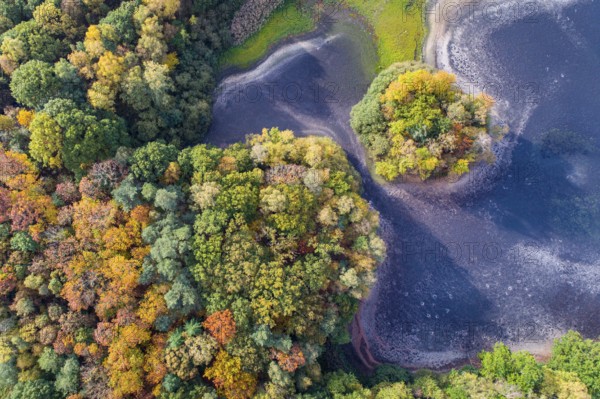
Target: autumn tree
229	378
46	141
221	326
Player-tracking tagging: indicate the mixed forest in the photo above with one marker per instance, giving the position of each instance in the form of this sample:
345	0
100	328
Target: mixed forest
136	262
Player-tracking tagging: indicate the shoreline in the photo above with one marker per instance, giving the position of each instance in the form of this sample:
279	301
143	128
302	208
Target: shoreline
438	26
322	26
433	30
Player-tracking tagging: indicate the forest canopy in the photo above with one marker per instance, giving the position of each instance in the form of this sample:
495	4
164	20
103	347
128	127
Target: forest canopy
182	273
135	71
416	121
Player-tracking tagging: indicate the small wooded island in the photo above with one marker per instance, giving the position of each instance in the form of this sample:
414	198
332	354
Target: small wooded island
414	120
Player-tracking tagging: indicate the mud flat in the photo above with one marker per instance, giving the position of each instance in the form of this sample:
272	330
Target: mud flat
463	271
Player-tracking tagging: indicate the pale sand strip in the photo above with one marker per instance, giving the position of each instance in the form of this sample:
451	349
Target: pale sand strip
441	14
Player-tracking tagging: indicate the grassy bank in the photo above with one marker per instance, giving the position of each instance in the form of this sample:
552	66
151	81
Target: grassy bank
398	25
285	22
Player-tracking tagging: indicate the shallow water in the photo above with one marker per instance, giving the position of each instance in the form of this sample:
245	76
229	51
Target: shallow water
463	271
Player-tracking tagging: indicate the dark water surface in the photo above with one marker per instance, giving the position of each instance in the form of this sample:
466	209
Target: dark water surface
516	260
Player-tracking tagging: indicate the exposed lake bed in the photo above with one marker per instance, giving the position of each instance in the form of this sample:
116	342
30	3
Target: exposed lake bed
462	272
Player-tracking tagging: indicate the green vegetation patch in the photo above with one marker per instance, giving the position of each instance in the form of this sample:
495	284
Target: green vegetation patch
398	25
287	21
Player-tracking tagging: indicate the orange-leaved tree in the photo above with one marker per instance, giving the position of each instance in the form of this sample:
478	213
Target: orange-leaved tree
221	326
